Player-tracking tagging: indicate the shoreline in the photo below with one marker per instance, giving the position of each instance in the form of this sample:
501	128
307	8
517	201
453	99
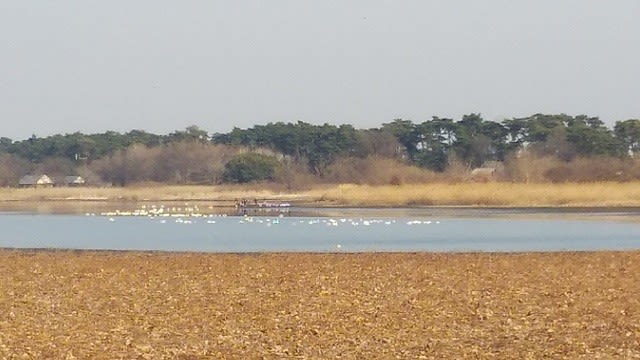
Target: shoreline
461	195
63	251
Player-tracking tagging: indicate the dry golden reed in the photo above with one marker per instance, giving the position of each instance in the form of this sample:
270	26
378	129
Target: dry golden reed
485	194
145	192
431	194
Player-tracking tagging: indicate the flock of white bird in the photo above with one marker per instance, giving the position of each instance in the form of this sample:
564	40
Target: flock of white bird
193	214
189	215
181	215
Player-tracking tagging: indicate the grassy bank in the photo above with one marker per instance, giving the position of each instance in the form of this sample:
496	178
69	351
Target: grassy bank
487	194
146	193
107	305
436	194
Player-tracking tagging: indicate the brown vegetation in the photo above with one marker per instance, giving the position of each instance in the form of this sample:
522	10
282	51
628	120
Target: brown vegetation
376	171
485	194
175	163
527	167
432	194
11	169
59	305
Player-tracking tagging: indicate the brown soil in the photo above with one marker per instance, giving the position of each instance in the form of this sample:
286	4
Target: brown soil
109	305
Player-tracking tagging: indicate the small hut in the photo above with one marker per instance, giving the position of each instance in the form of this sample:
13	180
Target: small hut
74	181
483	174
36	181
487	172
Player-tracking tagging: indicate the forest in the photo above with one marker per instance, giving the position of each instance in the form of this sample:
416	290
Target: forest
537	148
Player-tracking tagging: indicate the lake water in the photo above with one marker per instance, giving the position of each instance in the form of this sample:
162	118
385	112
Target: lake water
332	230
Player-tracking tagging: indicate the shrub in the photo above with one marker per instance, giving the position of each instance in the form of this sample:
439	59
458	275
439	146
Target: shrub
250	167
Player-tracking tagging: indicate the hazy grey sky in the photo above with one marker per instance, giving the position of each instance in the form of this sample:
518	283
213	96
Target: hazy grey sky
159	65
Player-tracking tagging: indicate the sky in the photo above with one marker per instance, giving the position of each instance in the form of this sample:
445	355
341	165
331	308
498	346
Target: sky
160	65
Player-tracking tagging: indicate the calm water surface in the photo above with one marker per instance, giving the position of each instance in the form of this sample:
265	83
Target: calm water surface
329	230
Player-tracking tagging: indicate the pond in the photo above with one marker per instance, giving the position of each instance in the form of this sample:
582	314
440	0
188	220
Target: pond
328	230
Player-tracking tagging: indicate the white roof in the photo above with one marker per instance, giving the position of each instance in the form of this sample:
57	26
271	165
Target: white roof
35	180
74	180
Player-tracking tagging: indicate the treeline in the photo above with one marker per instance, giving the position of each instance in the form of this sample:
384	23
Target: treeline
535	148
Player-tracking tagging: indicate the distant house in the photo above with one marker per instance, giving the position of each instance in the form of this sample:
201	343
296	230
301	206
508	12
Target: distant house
35	181
483	174
487	172
74	181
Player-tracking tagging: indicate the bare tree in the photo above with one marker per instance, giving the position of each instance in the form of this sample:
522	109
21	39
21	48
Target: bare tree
12	168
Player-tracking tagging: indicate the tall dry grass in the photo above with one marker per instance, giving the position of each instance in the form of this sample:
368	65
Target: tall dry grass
485	194
146	192
435	194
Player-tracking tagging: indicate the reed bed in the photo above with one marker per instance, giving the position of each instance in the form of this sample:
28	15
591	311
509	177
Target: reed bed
485	194
601	194
106	305
144	193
